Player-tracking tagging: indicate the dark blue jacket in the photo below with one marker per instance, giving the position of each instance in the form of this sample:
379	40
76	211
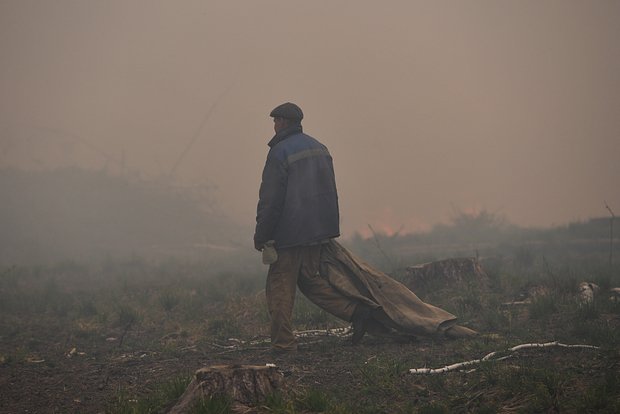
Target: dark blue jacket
298	201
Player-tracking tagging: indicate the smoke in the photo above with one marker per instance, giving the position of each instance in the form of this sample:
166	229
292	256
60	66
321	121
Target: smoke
508	107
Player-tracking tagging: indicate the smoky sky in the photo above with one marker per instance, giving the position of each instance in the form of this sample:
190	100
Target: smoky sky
428	107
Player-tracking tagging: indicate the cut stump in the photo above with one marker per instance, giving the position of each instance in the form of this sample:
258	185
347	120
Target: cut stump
448	274
243	384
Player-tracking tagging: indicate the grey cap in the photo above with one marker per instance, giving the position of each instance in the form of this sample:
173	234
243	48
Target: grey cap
287	110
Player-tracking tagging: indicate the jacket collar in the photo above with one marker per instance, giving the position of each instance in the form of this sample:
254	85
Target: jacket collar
285	133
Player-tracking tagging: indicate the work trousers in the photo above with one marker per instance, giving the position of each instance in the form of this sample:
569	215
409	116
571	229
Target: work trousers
299	266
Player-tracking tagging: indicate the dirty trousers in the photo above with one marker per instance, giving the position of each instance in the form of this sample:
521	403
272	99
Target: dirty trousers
299	266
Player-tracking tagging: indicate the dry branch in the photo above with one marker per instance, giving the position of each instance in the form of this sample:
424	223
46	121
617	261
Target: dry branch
235	344
340	332
492	355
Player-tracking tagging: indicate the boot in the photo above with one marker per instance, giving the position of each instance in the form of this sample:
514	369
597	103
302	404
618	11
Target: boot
359	321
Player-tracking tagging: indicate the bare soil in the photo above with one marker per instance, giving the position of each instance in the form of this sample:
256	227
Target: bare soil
72	341
59	373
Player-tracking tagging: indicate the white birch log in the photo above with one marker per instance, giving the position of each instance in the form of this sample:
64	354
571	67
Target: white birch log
492	355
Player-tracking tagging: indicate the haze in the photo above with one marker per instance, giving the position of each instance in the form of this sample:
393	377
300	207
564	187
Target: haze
427	107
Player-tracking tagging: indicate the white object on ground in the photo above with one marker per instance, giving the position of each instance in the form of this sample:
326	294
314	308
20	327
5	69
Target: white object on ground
491	356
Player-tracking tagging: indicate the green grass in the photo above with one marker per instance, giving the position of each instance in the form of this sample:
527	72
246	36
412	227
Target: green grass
314	401
224	328
213	405
602	396
168	300
164	395
543	307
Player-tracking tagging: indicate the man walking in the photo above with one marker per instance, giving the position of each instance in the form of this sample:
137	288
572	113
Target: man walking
298	215
298	212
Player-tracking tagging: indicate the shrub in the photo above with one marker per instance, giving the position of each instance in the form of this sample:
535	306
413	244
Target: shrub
168	300
542	307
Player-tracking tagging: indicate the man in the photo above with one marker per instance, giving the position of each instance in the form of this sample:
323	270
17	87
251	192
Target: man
298	211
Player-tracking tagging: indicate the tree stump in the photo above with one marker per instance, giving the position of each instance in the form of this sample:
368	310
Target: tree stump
244	384
445	275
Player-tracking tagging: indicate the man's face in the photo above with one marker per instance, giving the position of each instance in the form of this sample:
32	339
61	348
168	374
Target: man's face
279	124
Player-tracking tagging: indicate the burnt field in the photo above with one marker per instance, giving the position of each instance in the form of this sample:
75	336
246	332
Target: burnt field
125	336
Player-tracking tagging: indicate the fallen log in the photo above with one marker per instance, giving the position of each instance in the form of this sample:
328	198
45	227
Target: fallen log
495	356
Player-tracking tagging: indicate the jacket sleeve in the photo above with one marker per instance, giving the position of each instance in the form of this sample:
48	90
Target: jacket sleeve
271	198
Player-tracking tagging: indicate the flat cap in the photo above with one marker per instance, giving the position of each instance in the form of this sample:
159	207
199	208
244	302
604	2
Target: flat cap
287	110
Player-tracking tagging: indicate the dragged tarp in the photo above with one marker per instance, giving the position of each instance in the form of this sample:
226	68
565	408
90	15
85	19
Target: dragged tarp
395	307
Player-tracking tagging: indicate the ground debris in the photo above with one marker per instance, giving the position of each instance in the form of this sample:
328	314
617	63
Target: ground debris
495	356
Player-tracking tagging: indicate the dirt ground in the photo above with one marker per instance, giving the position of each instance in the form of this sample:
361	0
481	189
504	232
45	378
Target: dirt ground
72	344
53	377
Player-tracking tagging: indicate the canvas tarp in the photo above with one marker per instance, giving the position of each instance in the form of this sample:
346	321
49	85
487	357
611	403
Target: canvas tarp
394	305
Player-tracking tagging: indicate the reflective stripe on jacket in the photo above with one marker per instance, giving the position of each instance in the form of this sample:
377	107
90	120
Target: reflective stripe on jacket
298	201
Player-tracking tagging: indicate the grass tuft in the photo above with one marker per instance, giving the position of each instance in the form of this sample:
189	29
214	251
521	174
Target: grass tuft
168	300
216	404
164	395
543	307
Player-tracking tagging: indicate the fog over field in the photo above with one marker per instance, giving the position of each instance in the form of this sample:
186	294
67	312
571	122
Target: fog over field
428	108
476	147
